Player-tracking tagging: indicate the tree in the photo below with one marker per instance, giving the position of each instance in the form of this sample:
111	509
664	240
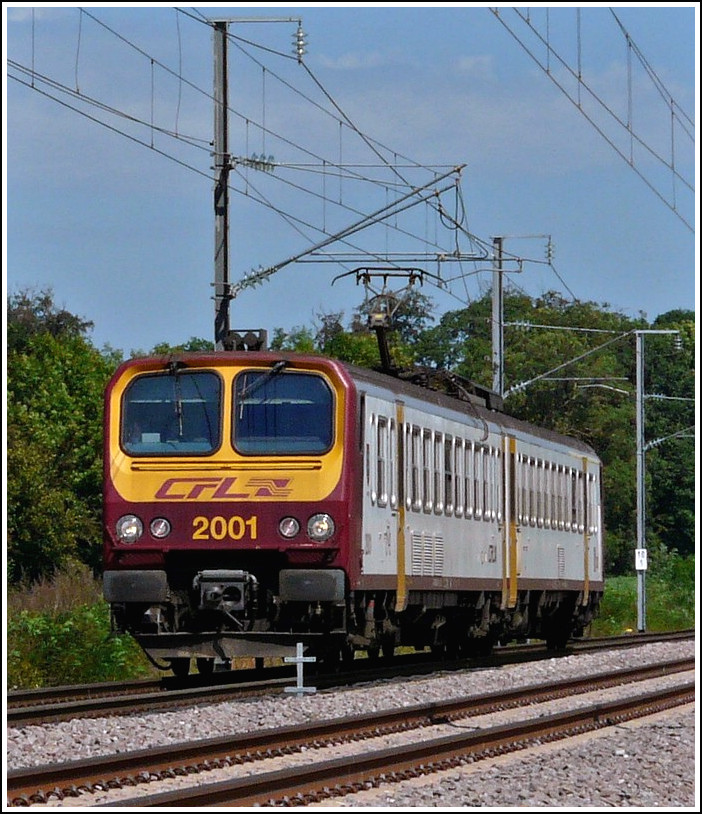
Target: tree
56	379
194	345
31	313
670	421
55	385
410	313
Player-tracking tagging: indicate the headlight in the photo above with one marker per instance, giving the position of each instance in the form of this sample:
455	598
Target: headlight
129	529
160	527
288	527
320	527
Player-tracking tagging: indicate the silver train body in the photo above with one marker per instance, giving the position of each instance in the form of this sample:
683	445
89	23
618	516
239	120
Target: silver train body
483	528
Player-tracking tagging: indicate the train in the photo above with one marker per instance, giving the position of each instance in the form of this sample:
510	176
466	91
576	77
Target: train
258	499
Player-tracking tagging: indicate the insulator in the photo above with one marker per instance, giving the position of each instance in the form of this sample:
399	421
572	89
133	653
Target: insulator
299	43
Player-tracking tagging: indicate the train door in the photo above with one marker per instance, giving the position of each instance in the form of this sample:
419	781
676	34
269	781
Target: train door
380	487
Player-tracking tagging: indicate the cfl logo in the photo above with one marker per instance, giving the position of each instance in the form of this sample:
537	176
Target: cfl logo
225	488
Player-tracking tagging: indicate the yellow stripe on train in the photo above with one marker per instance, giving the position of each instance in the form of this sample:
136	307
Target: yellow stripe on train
222	487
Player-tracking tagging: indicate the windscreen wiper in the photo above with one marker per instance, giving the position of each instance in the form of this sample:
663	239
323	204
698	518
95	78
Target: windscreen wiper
277	368
174	369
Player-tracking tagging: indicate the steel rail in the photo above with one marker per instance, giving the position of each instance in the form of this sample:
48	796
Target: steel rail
37	784
331	778
63	703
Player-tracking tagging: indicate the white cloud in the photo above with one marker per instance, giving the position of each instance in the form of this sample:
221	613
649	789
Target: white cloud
477	66
23	14
358	60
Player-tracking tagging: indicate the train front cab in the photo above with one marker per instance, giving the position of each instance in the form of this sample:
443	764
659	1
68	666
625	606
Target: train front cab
228	534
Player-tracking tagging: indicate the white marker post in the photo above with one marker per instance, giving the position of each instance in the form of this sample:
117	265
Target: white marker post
641	560
299	659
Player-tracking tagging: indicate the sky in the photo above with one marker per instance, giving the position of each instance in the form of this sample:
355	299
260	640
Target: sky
573	128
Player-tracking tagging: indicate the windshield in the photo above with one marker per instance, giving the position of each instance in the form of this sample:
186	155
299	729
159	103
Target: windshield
172	414
282	413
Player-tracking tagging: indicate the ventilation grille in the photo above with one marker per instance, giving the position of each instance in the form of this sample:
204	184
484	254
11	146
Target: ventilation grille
427	555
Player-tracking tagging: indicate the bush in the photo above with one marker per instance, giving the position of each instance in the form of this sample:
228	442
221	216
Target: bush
58	632
47	650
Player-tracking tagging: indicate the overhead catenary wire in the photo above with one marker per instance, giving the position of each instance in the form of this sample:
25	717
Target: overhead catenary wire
345	120
209	95
133	119
346	207
370	143
343	117
261	199
192	141
665	95
670	165
115	130
396	170
375	217
153	61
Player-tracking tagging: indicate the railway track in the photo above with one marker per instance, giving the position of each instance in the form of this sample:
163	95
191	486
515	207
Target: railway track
65	703
314	781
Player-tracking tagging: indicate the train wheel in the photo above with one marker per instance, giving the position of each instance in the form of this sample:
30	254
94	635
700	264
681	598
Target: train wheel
388	647
485	646
348	655
328	661
453	650
180	667
479	647
336	658
557	640
558	630
205	666
373	653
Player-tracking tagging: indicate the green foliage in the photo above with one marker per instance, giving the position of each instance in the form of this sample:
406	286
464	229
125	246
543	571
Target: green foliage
193	345
56	379
571	367
299	340
410	313
68	648
31	313
359	347
670	599
670	464
45	649
58	632
619	552
55	385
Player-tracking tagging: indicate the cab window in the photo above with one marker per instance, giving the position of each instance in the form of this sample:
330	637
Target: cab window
282	413
172	414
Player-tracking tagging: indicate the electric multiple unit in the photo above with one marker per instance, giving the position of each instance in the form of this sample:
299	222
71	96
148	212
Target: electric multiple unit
260	499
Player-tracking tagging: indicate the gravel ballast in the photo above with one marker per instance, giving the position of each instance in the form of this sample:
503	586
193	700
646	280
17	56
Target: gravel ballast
648	763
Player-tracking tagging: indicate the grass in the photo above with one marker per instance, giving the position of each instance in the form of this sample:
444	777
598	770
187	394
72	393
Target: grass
669	607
